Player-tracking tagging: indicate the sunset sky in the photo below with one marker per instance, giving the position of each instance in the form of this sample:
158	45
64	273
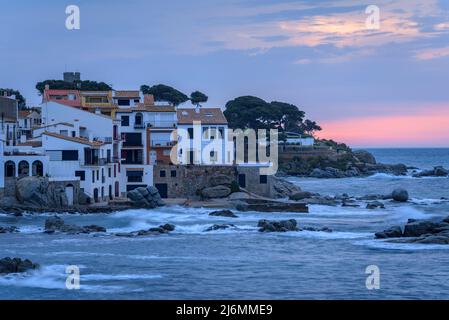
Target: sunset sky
384	88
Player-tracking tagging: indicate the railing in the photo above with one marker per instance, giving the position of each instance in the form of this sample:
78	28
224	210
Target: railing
161	124
162	143
97	162
103	139
132	162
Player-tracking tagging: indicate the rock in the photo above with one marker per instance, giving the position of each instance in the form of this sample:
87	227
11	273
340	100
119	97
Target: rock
301	195
277	226
216	192
56	224
400	195
364	156
166	228
263	205
436	172
375	205
323	229
11	229
238	195
223	213
393	232
281	188
145	197
220	179
16	265
38	192
419	228
219	227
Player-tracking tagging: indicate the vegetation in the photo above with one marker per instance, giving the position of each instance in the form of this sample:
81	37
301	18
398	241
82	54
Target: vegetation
198	97
235	187
85	85
20	99
163	92
255	113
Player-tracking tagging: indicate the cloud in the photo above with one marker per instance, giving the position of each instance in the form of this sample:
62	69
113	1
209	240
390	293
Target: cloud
442	26
432	53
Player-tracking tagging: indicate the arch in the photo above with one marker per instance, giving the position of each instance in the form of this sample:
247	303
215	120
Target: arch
96	195
138	119
10	169
24	168
37	168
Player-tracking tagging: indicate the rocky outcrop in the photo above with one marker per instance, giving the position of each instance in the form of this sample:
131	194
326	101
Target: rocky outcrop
11	229
223	213
39	192
301	195
365	156
220	179
16	265
162	229
375	205
216	192
277	226
435	172
281	188
239	195
400	195
263	205
322	229
216	227
148	197
56	224
419	231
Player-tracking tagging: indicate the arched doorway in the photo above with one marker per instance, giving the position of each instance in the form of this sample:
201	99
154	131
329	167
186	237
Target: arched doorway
24	169
10	169
96	195
37	168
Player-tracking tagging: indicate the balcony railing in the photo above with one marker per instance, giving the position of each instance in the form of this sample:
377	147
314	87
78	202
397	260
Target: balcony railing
97	162
161	124
162	143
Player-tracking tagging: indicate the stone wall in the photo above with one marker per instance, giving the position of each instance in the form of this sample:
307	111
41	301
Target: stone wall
254	182
10	187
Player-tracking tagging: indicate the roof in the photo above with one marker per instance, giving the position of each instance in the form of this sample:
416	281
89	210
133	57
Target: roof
54	125
127	94
74	139
30	143
62	92
205	115
24	113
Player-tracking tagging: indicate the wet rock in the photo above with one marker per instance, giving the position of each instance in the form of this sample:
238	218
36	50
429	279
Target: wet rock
223	213
220	179
39	192
277	226
375	205
393	232
281	188
365	156
263	205
301	195
16	265
216	192
163	229
238	196
145	197
419	228
11	229
56	224
435	172
323	229
400	195
219	227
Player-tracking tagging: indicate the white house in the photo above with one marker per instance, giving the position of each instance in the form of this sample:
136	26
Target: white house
300	139
28	120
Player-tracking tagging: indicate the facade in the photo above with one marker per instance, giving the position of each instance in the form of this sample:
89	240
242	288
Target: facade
28	120
9	114
300	139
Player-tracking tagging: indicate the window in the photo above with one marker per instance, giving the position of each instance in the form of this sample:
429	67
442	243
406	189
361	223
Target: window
73	134
98	175
123	102
134	176
221	131
213	156
93	176
138	119
125	121
190	131
263	179
64	133
109	172
136	100
81	174
69	155
162	173
173	173
133	139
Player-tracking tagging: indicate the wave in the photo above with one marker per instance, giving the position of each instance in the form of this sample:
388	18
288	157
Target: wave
384	244
388	176
327	235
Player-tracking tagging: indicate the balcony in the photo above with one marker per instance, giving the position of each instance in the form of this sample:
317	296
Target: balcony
162	143
161	124
95	162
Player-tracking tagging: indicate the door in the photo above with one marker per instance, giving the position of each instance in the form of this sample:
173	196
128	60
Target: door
69	194
190	157
242	180
162	188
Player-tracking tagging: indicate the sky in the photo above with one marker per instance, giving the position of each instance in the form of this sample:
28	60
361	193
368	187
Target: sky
366	86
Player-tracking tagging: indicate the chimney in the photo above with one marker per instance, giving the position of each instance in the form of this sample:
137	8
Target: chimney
148	99
197	108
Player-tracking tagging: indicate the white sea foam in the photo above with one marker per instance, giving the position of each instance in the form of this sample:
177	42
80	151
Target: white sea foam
385	244
327	235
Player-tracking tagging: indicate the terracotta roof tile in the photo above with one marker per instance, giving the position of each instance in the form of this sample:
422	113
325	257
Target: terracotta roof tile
206	116
127	94
74	139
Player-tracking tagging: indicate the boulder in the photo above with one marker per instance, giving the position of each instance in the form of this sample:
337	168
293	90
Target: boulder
393	232
375	205
223	213
56	224
220	179
281	188
419	228
219	227
238	196
145	197
16	265
11	229
277	226
216	192
435	172
39	192
323	229
166	228
400	195
365	156
301	195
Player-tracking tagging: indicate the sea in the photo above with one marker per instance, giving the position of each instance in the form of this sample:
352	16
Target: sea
242	263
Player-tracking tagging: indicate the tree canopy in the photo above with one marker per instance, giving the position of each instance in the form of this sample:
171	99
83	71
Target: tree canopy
163	92
198	97
85	85
255	113
20	99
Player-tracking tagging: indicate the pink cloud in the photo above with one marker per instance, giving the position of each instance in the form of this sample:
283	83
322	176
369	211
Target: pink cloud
429	128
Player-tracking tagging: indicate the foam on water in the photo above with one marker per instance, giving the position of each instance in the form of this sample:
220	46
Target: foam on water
384	244
327	235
